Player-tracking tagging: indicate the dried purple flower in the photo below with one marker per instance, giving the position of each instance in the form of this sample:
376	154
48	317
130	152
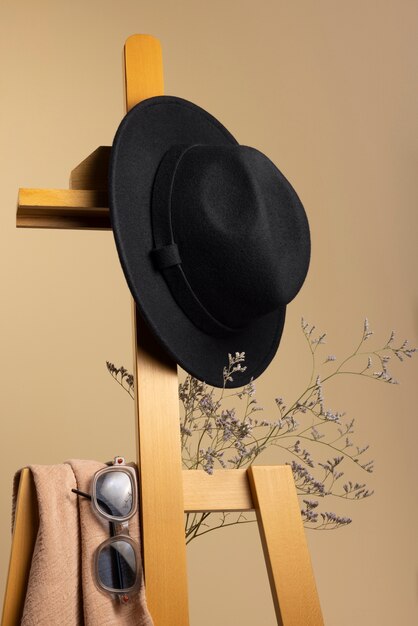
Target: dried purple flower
214	434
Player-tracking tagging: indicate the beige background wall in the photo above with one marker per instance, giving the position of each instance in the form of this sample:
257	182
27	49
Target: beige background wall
328	90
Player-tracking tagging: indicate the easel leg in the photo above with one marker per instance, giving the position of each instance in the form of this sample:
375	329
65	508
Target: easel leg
285	549
157	413
24	536
161	478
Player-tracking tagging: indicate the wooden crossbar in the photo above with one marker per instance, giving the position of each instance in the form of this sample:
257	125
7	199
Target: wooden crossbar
62	208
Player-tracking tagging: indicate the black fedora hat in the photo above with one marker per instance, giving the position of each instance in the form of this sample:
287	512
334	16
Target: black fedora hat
213	240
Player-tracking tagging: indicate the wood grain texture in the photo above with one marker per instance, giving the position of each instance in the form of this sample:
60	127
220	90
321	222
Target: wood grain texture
62	208
285	549
162	507
92	172
157	413
24	536
143	69
225	490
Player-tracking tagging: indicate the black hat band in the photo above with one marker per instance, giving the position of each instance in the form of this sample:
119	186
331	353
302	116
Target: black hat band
166	256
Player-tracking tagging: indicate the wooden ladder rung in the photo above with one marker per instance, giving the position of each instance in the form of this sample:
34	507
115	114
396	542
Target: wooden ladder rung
63	208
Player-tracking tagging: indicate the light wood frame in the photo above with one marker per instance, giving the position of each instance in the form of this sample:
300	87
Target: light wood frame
167	491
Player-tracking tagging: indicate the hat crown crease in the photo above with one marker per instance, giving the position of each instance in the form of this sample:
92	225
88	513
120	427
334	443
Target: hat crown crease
228	208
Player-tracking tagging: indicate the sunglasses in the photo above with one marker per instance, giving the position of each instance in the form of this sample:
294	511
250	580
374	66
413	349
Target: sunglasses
117	561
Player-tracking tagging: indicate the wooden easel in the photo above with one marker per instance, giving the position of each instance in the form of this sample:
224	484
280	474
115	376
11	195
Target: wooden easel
167	491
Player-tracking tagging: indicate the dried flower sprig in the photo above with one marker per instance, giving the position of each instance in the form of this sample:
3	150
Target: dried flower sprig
321	521
122	376
215	434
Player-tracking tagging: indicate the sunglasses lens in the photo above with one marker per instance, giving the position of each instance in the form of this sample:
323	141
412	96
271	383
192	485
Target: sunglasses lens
114	493
116	566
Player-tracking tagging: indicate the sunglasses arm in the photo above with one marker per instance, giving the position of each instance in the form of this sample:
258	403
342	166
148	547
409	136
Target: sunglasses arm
81	493
103	505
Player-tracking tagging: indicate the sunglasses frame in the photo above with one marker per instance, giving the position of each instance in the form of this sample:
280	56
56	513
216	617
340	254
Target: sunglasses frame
123	594
130	472
119	527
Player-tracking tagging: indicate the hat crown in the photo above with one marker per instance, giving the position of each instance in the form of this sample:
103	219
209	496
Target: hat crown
241	231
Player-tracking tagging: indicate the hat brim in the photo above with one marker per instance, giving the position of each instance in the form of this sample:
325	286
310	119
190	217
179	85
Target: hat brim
143	137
